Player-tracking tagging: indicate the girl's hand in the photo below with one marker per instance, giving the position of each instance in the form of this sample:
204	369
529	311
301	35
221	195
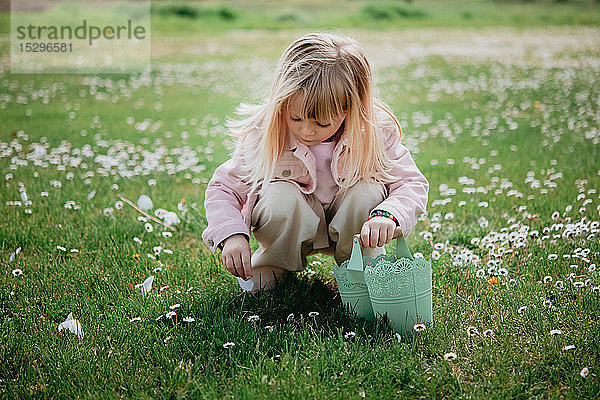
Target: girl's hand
378	231
236	256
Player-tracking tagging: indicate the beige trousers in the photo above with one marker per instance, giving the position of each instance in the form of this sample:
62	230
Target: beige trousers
290	225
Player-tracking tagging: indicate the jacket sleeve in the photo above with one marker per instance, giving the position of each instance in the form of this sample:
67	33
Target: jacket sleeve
407	197
225	197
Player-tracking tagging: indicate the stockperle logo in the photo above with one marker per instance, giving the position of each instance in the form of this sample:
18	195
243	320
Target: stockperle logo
56	36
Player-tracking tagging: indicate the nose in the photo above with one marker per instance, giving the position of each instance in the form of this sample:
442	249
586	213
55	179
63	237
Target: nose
306	129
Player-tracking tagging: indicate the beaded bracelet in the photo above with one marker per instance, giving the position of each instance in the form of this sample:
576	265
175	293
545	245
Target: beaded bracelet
382	213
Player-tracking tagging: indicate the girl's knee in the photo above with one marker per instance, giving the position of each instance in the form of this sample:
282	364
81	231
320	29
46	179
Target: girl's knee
365	192
279	205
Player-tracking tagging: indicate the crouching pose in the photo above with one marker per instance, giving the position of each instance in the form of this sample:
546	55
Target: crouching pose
318	161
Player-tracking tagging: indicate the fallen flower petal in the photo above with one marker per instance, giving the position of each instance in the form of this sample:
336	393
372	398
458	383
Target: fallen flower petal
72	325
147	285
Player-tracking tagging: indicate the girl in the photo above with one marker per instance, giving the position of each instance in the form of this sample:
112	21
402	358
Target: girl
317	162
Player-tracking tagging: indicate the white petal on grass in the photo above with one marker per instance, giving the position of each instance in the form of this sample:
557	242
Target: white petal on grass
134	319
246	285
451	356
228	345
72	325
91	194
568	347
175	306
313	314
147	285
555	332
14	254
144	202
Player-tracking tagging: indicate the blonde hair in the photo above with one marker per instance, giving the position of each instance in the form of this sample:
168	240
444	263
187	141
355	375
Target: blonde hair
334	75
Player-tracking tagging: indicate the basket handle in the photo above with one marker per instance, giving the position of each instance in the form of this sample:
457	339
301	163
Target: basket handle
402	250
356	260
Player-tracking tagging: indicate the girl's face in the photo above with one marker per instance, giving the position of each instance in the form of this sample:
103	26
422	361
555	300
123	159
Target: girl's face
309	131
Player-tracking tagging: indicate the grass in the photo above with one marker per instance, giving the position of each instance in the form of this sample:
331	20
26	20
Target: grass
524	134
194	17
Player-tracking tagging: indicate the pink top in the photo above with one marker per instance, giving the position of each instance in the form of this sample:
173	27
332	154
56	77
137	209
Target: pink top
326	186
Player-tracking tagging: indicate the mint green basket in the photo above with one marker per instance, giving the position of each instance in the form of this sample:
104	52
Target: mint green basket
400	288
350	281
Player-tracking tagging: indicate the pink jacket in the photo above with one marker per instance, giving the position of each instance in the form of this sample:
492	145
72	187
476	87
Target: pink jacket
229	203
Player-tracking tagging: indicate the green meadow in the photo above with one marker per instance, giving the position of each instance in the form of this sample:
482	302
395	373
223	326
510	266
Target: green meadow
500	107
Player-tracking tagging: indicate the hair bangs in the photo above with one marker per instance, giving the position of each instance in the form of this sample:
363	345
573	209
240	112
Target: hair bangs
325	96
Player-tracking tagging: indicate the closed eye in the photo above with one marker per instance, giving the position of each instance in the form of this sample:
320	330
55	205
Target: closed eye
318	123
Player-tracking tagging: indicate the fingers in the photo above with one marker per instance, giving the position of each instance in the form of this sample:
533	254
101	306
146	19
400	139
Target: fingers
246	267
237	262
229	263
370	237
377	232
236	257
365	234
